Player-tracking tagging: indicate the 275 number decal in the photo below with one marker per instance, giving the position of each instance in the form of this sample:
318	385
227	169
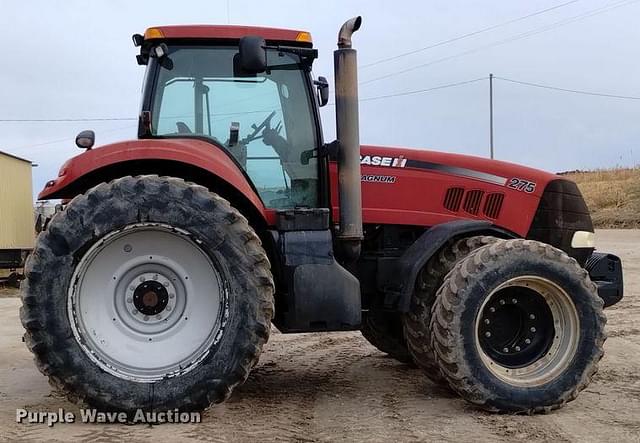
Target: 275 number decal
522	185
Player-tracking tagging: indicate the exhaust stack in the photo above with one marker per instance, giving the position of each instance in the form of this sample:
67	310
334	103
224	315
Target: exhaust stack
347	129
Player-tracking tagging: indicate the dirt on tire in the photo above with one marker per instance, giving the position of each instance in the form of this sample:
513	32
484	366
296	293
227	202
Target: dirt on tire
223	234
384	330
336	386
417	322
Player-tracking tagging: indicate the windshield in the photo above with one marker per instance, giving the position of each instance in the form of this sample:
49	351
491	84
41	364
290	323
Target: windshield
265	122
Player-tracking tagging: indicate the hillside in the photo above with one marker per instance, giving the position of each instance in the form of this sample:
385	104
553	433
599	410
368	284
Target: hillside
613	196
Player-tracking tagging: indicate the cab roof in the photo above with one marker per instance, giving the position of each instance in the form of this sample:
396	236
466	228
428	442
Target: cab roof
226	32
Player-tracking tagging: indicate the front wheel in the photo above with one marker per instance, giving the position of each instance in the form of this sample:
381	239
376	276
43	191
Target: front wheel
147	292
518	327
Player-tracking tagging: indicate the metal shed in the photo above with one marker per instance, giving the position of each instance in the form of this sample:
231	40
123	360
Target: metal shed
16	210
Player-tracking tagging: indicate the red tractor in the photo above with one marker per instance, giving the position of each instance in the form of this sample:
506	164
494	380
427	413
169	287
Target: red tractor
157	285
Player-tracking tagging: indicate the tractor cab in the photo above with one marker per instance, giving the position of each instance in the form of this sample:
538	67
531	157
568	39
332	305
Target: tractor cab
251	97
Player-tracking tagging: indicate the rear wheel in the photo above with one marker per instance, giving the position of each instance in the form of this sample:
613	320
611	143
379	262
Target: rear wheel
384	331
147	292
518	327
417	322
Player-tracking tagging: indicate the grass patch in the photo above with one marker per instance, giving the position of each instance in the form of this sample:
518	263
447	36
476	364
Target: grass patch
612	195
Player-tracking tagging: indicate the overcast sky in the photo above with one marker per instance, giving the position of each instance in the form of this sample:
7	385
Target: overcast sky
75	59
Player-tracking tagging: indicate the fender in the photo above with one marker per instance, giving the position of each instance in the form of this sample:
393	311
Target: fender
191	159
406	268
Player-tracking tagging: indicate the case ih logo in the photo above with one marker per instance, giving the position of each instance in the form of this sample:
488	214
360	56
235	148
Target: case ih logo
376	160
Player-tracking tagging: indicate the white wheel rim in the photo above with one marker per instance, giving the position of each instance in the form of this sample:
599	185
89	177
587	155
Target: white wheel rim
564	338
147	303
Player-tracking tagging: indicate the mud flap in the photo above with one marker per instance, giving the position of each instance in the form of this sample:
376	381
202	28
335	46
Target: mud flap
321	294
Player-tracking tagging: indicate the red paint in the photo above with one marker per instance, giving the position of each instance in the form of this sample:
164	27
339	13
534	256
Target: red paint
228	32
416	197
194	152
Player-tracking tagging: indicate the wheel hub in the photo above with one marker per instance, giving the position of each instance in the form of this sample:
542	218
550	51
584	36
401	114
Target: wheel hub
150	298
527	331
516	327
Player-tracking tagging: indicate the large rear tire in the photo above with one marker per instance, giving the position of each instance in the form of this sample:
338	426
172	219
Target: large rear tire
384	331
147	292
417	322
518	327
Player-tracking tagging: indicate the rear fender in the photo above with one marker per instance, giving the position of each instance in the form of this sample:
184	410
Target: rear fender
402	281
192	160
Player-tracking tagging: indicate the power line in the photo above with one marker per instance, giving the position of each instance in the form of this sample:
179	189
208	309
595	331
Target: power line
51	120
575	91
52	142
523	35
469	34
530	33
421	91
377	97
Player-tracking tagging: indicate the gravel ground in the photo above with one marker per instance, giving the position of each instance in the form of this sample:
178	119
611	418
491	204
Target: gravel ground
335	386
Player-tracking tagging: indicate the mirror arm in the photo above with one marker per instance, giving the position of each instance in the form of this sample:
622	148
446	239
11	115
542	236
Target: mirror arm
327	150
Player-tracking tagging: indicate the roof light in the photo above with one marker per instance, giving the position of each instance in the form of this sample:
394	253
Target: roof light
152	33
304	37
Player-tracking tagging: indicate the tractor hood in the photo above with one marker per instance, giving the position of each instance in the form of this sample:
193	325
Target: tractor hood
425	188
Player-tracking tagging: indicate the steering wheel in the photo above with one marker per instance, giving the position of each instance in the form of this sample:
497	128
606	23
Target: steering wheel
258	130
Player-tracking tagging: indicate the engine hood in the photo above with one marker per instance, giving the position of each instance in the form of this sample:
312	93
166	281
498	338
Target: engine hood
424	188
467	166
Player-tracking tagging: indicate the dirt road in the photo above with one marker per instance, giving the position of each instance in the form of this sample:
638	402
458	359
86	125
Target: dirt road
335	386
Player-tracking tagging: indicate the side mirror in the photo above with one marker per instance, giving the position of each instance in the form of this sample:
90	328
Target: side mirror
323	90
86	139
252	54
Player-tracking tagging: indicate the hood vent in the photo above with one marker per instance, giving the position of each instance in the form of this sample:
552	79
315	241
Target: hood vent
453	199
472	201
493	205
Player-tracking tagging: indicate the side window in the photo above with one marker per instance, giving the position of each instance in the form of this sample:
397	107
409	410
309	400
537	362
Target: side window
265	122
261	153
177	107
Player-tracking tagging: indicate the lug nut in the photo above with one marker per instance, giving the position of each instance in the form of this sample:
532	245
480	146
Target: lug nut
492	309
155	277
486	321
171	295
128	248
505	350
502	302
134	312
487	334
533	329
132	288
145	318
527	341
514	300
517	348
168	308
159	317
166	284
142	279
129	300
532	317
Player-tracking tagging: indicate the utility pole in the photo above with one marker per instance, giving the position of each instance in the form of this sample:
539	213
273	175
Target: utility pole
491	114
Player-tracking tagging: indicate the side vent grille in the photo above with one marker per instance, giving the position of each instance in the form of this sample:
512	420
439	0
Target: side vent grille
472	201
493	205
453	199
